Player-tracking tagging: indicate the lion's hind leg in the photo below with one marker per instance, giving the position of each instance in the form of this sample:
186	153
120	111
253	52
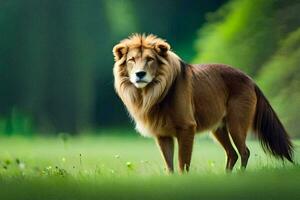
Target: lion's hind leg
240	113
221	134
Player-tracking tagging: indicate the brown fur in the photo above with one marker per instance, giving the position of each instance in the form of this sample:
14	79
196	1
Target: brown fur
183	99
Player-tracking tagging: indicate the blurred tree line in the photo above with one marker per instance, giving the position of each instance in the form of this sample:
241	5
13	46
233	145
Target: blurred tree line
56	61
261	37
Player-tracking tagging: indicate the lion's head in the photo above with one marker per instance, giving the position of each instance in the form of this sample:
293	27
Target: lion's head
141	56
144	70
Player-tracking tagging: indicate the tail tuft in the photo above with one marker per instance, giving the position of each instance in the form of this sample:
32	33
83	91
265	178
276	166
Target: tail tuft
269	129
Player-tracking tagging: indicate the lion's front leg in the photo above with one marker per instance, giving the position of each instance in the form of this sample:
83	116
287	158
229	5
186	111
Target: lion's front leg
166	145
185	147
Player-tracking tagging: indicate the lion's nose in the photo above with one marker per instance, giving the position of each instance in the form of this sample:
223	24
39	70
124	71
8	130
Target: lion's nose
140	74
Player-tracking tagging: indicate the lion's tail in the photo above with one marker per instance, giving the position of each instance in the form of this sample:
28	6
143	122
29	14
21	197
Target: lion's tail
269	129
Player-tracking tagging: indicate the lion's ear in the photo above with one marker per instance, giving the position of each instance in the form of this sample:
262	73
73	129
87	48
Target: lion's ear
162	48
119	51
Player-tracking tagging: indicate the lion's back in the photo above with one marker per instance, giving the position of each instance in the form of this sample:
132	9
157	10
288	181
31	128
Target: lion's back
233	78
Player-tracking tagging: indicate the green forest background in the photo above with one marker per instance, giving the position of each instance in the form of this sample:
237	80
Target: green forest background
56	60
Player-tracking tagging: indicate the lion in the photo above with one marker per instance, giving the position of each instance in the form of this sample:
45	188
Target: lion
169	99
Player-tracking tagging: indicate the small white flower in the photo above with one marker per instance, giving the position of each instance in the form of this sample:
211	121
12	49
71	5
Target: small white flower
22	165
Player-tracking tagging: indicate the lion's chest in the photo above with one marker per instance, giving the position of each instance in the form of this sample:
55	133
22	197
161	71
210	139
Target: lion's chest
153	128
143	129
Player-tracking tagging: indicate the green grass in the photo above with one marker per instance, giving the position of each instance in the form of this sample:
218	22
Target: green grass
130	167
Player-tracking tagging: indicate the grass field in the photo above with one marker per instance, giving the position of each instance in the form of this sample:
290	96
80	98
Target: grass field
130	167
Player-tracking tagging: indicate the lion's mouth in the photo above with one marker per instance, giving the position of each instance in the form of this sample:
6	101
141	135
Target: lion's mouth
141	81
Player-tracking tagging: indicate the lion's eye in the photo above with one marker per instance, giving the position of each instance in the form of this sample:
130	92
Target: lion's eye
149	59
131	59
